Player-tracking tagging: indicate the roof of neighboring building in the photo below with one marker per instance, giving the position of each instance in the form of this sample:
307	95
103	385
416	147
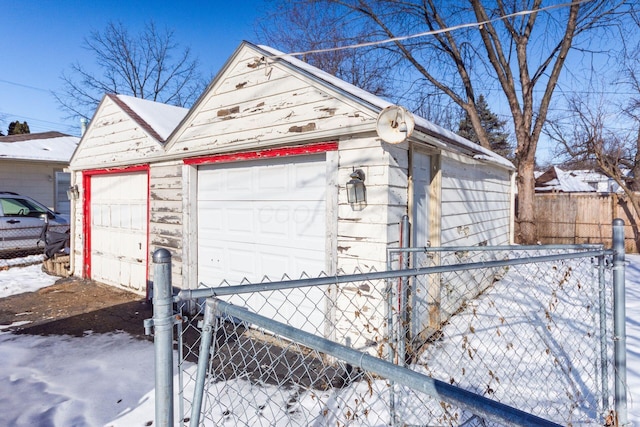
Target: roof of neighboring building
45	146
555	179
158	119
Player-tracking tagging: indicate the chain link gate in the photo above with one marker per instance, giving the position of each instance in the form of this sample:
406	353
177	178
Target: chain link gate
447	336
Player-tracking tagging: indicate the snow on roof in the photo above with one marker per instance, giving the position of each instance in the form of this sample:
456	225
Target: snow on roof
376	101
161	118
45	146
555	179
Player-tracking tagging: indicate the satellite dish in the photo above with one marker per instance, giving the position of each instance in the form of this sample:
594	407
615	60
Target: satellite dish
395	124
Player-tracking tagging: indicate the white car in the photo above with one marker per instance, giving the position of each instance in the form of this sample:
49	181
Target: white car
22	220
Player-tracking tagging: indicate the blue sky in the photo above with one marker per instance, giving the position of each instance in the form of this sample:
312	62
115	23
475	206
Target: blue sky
41	39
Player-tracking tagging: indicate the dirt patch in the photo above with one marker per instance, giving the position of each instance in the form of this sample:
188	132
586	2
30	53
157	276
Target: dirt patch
75	307
79	307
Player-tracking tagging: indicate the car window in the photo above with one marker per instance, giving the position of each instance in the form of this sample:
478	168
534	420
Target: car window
20	207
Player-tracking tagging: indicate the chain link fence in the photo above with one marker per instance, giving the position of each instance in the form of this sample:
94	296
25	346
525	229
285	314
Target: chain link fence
21	241
532	335
447	336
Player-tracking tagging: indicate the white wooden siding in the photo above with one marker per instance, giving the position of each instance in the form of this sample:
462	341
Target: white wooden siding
166	215
476	203
33	179
114	139
254	106
475	209
364	235
77	232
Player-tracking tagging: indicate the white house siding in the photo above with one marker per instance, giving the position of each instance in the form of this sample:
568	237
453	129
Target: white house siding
256	105
166	215
364	235
33	179
476	210
114	139
476	202
77	233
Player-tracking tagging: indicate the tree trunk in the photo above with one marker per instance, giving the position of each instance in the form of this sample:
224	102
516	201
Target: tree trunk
525	214
635	171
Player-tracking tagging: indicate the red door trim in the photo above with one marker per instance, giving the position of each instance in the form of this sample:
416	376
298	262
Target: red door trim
264	154
86	212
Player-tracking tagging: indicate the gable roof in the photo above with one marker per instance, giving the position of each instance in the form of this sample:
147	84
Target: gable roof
364	100
379	104
44	146
125	129
157	119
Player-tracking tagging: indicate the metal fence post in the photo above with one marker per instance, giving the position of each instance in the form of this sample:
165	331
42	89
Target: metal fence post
163	337
403	296
203	362
619	326
604	365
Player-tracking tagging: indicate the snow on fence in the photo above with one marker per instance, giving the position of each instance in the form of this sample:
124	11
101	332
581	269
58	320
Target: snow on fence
447	336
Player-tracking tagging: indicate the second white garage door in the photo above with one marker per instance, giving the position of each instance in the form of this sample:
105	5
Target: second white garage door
265	218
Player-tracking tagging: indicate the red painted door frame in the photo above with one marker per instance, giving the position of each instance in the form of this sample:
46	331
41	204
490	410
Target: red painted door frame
219	158
86	212
298	150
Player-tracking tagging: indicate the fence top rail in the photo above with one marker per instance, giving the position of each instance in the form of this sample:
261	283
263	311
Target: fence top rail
475	403
208	292
582	247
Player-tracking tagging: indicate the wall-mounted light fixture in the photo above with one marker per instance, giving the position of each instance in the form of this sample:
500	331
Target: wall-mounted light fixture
356	191
73	193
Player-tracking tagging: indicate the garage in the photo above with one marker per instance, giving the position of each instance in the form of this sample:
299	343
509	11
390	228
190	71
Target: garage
117	240
252	182
265	218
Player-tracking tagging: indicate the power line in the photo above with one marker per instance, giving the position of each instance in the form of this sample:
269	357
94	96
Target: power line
36	124
26	86
432	32
30	118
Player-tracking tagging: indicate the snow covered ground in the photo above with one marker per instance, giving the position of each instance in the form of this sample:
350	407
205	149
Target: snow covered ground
107	380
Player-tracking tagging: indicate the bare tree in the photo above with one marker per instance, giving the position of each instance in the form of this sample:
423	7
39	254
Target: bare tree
482	46
605	133
631	73
149	65
592	136
307	25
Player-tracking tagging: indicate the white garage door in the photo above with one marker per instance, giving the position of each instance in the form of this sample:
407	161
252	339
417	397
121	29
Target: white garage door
265	218
119	229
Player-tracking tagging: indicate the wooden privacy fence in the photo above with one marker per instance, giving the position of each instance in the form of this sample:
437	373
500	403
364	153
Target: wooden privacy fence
576	218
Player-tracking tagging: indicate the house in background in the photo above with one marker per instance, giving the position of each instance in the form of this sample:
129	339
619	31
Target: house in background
558	180
598	181
251	182
555	180
34	165
578	206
